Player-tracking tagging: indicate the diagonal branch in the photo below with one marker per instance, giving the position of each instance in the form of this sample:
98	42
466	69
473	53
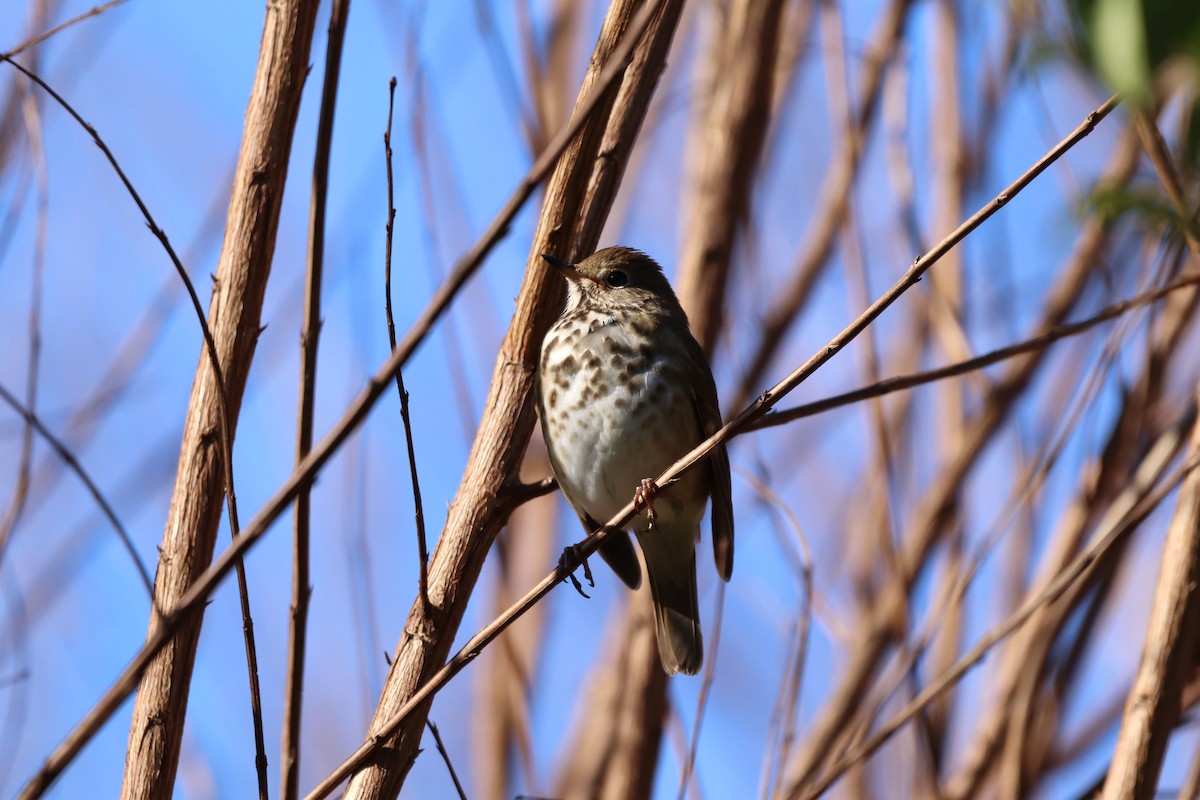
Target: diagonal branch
57	29
904	382
73	464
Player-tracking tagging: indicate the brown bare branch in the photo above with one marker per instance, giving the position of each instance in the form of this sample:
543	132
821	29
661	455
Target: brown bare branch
618	729
831	207
734	133
310	334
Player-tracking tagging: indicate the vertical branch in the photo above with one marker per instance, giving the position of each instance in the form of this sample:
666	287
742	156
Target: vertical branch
733	137
946	154
1168	656
787	699
613	751
309	338
1153	706
877	552
946	324
234	317
422	547
832	204
33	125
710	670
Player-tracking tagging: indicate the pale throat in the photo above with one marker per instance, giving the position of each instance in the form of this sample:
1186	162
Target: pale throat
574	296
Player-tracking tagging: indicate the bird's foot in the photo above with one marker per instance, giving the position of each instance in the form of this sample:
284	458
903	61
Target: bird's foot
644	496
570	557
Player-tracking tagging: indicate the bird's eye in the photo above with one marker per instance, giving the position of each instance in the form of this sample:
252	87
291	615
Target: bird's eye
617	279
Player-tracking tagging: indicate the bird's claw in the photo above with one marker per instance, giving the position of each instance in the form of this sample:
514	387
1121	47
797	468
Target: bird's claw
570	555
644	496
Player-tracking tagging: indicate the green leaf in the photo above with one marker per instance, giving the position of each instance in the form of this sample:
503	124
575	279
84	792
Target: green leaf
1117	32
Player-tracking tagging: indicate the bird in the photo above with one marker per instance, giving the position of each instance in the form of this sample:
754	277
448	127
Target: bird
624	391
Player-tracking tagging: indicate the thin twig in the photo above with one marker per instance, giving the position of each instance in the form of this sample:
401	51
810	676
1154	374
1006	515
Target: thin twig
418	509
73	464
41	37
422	117
902	382
310	335
13	685
437	737
788	698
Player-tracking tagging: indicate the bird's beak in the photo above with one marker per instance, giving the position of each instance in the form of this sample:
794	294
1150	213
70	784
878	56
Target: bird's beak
568	270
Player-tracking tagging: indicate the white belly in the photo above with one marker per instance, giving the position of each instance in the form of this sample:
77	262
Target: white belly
609	427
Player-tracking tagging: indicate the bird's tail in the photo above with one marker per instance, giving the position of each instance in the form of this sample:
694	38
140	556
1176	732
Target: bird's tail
671	568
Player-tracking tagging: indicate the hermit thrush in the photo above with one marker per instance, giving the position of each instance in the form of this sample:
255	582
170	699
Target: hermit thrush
625	391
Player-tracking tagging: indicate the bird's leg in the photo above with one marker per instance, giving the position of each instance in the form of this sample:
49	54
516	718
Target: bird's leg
644	496
570	555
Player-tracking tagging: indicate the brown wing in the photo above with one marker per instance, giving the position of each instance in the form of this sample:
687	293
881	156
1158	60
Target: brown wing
704	398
